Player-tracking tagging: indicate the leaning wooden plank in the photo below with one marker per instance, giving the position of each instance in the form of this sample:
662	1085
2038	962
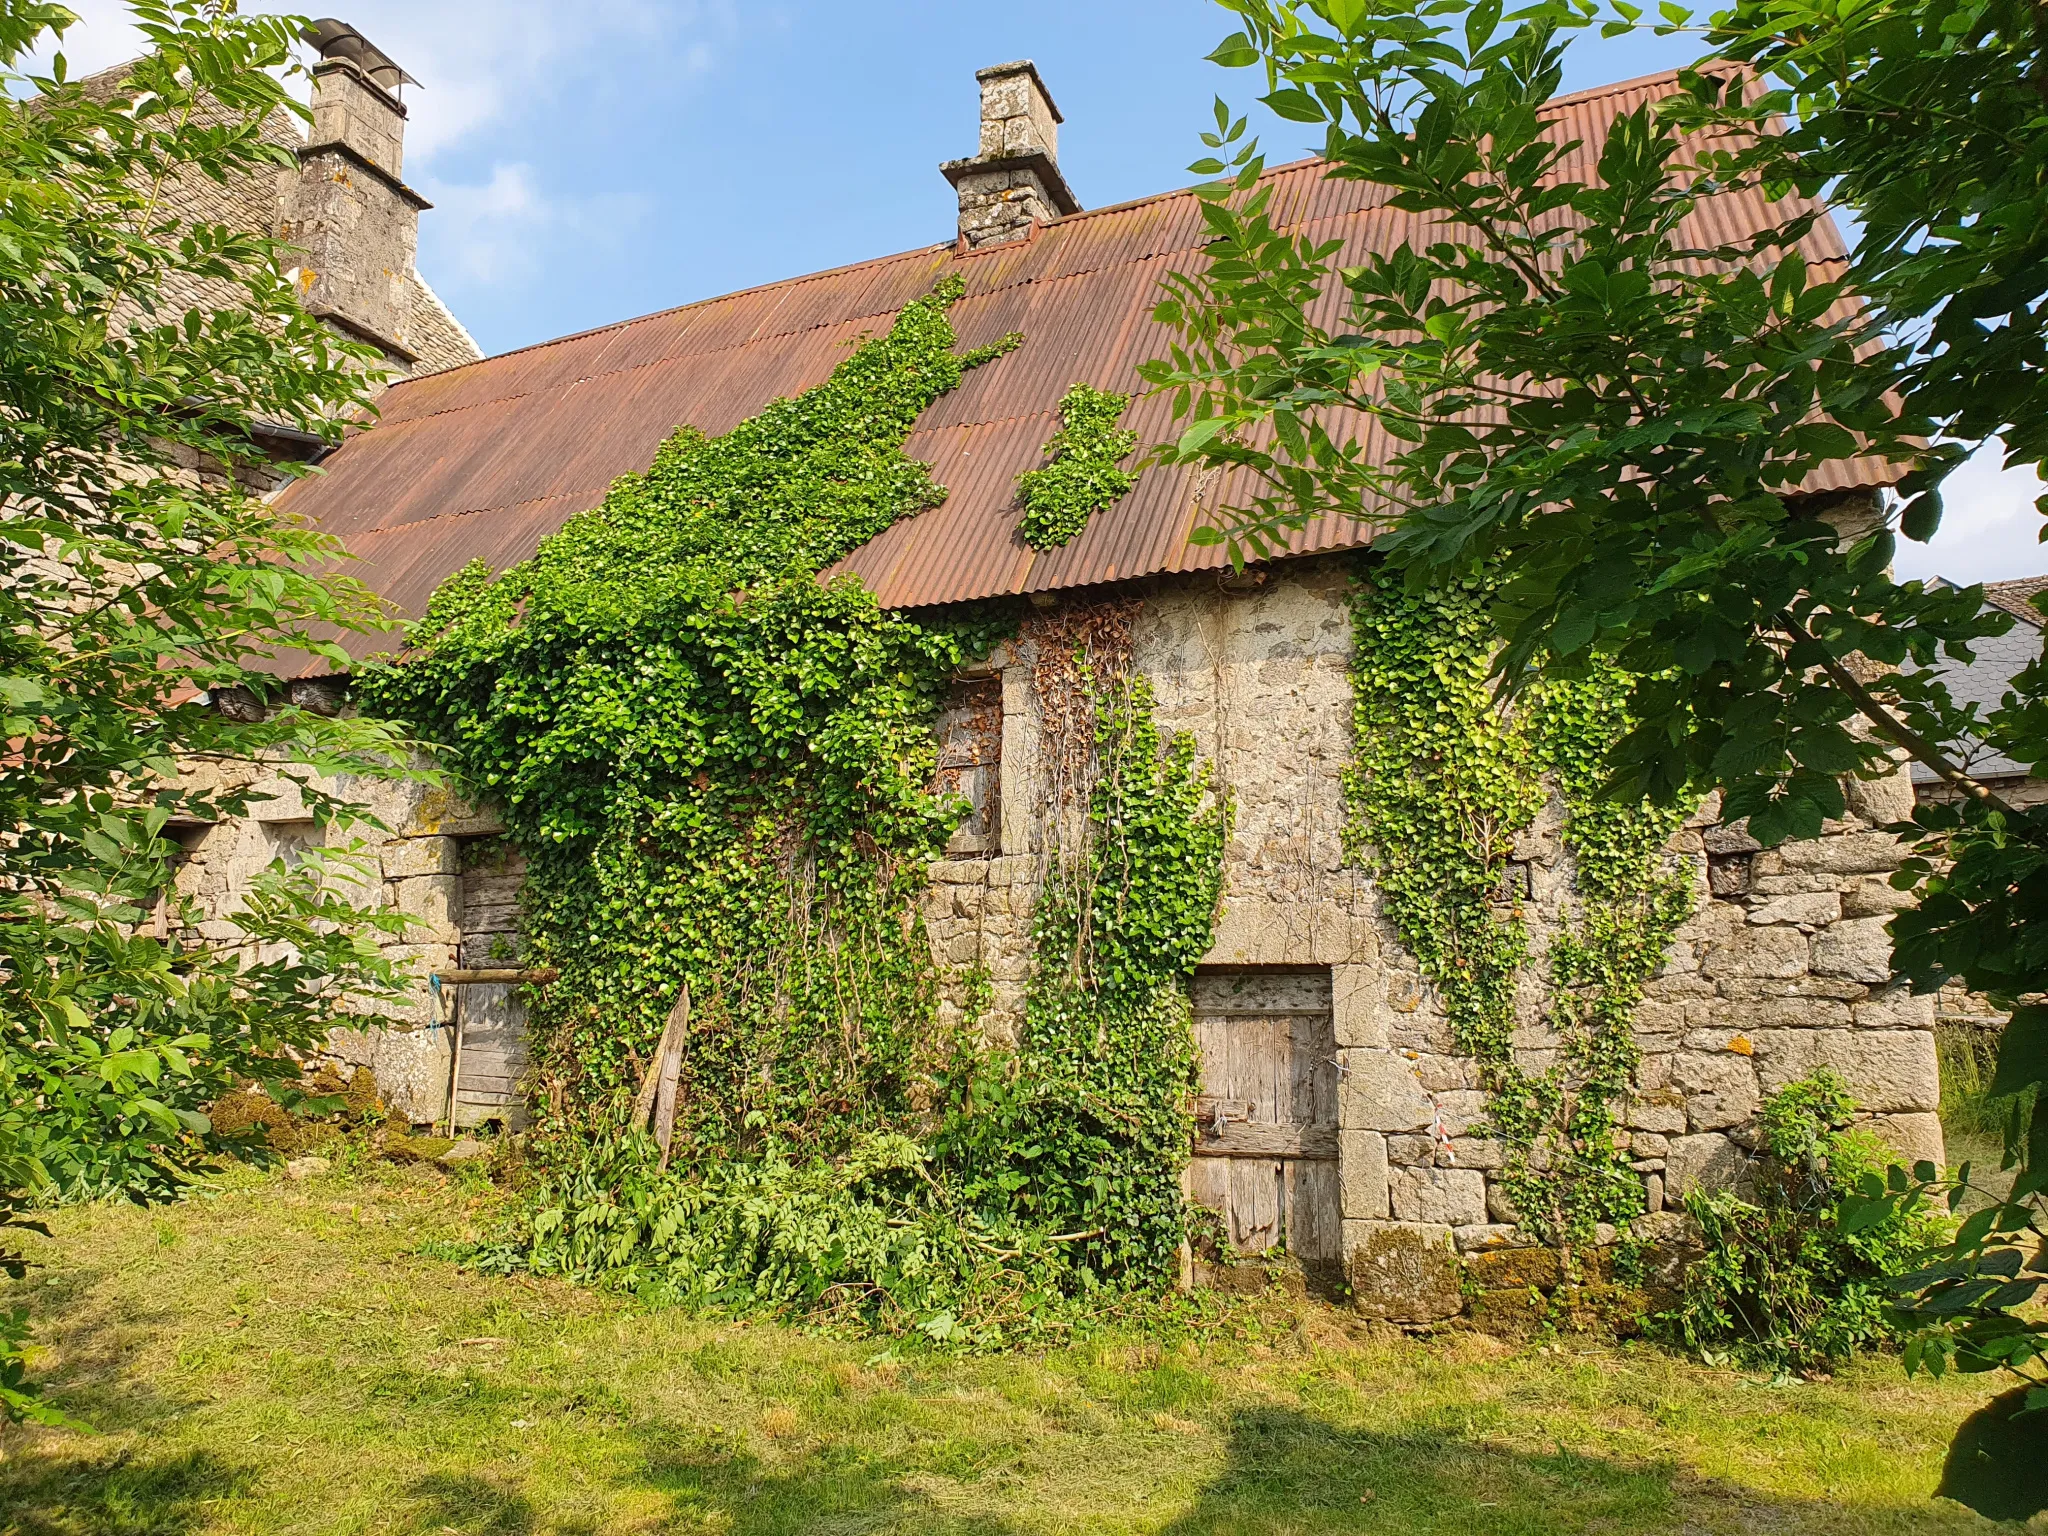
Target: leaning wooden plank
673	1034
671	1073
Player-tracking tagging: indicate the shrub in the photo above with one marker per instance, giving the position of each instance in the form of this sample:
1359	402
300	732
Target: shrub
1781	1284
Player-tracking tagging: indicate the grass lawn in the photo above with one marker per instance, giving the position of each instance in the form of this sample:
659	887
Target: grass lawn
277	1357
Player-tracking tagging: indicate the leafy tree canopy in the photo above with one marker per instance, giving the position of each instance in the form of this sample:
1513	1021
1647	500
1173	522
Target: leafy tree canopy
1633	418
146	355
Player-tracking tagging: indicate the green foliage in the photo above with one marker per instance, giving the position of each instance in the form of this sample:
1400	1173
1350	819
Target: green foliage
22	1180
721	769
1926	119
1627	421
1089	1132
719	766
1968	1059
1620	419
1443	780
1081	475
143	354
1050	1185
114	1102
1785	1282
872	1238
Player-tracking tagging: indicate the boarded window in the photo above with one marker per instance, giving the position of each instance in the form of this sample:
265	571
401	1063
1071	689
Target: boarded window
493	871
971	762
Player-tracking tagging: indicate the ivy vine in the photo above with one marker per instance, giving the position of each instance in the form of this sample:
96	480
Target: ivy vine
718	767
1082	473
722	772
1444	779
1091	1132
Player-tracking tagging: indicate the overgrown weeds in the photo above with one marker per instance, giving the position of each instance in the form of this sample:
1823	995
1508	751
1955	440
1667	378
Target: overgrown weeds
1783	1283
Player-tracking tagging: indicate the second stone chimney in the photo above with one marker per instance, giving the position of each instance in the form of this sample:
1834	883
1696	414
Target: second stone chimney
1014	184
356	223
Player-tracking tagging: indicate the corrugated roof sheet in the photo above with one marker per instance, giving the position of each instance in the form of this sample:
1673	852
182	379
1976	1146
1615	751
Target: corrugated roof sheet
483	461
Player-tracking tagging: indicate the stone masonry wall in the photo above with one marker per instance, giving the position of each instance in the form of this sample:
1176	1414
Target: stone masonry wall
1782	969
420	868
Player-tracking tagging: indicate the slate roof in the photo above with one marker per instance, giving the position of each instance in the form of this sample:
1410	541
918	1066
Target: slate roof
485	460
1986	680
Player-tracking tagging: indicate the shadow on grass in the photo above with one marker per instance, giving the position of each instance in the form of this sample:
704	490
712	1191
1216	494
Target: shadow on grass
1285	1471
119	1495
472	1505
1291	1472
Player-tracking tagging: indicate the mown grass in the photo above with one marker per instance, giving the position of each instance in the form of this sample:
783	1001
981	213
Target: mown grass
280	1357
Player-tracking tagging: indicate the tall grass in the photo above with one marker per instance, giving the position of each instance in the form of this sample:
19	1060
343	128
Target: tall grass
1968	1054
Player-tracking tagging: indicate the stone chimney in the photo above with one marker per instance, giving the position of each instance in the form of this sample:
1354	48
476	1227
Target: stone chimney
355	221
1014	184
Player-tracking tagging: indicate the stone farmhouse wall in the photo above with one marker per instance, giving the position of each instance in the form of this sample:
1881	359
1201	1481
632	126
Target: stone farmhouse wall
1782	969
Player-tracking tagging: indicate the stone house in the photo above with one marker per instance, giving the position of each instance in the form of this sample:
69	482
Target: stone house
1336	1113
1968	1018
345	210
1986	680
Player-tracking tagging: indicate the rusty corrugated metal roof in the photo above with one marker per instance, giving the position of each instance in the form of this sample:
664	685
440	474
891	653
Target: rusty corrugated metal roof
483	461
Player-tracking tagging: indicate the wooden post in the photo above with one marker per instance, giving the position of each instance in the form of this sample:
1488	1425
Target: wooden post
455	1053
657	1096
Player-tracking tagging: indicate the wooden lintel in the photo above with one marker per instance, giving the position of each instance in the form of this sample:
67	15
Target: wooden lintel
1238	1139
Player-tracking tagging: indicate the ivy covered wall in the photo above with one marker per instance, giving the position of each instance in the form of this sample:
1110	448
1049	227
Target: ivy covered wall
953	1092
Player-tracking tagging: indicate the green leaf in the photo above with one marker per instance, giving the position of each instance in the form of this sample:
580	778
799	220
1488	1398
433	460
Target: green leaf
1235	52
2022	1052
1296	105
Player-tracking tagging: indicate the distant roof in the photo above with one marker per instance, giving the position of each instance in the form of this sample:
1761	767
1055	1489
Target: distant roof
485	460
1999	660
2017	598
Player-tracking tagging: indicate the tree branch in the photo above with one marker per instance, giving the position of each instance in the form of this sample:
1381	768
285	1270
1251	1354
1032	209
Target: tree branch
1896	730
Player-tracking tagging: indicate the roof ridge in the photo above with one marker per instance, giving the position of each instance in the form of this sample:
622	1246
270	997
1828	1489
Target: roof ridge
676	309
1618	87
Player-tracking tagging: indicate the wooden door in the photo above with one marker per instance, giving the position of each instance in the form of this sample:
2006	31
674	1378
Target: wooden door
1266	1120
494	1048
489	1083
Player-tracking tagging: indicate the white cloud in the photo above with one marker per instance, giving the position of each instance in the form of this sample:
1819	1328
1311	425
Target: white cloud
481	61
477	61
489	234
102	36
1989	526
482	65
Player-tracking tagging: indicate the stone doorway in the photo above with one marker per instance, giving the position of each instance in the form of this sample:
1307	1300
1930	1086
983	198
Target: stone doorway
1265	1151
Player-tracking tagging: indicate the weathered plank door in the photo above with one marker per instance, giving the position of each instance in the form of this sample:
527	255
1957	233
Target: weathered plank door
493	1061
494	1047
1266	1120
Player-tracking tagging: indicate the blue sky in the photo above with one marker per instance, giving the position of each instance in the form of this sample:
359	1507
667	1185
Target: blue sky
595	161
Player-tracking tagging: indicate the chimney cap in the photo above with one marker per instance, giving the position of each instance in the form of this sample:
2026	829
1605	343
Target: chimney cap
338	40
1023	67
